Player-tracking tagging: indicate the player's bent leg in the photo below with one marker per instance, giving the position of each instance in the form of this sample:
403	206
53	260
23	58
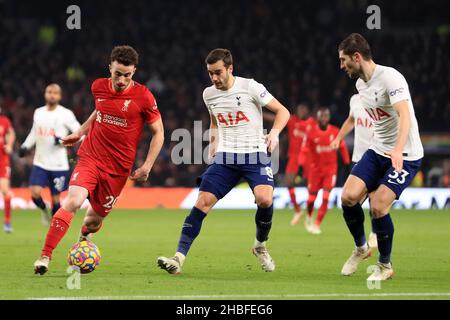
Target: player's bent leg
191	229
92	223
381	201
263	220
312	195
60	224
353	192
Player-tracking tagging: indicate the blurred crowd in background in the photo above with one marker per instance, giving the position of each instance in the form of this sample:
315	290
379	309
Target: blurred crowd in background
289	46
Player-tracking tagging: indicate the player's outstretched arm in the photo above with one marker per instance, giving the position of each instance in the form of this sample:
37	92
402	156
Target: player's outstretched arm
282	116
347	126
404	125
76	136
157	130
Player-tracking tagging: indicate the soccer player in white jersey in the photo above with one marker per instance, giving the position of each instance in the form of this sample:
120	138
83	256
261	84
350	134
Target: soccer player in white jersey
360	120
239	149
50	163
391	162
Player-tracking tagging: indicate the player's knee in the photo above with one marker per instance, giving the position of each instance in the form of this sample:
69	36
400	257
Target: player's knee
205	202
377	209
349	198
264	201
73	202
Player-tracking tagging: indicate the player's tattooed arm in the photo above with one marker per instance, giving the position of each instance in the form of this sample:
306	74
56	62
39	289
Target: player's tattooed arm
404	124
282	116
346	128
76	136
213	138
142	173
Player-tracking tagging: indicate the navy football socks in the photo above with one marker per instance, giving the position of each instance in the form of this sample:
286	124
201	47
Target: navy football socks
263	220
354	217
191	228
55	208
384	228
39	203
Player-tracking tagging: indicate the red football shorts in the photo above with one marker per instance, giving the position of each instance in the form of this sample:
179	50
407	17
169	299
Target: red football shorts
5	171
104	188
318	180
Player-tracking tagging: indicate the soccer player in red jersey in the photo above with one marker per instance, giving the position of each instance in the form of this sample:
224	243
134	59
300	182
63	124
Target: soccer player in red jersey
7	138
299	125
323	166
107	154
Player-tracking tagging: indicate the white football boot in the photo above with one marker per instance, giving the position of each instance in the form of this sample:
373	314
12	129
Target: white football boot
382	272
41	265
7	228
260	251
308	223
45	218
358	255
373	242
296	218
315	229
172	265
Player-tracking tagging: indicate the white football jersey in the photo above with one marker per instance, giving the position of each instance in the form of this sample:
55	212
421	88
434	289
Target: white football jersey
387	87
363	128
46	125
238	112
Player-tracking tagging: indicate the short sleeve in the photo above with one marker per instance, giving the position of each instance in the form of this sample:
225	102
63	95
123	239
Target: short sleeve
94	87
396	87
259	93
150	108
8	123
352	106
204	101
71	121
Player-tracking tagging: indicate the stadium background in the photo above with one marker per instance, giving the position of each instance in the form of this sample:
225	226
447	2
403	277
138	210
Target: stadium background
290	46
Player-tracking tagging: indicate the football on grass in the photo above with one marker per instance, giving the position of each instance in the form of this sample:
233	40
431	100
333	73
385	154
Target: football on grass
85	255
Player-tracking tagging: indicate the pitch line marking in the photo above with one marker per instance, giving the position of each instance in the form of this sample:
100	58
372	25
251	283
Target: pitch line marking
235	296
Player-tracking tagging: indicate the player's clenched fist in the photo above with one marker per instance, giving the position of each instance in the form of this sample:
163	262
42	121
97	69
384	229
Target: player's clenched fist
141	174
272	140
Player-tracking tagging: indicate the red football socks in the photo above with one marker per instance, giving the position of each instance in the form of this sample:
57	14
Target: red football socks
60	224
310	204
323	208
294	199
7	201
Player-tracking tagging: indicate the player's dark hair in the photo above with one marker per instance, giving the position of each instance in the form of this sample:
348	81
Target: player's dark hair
356	43
220	54
125	55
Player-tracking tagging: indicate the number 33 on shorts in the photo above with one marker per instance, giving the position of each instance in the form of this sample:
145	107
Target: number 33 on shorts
398	177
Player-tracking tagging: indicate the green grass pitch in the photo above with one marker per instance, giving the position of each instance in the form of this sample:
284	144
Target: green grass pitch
220	264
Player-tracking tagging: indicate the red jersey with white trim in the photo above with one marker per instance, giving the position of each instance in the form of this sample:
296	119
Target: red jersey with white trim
5	125
297	130
322	158
114	135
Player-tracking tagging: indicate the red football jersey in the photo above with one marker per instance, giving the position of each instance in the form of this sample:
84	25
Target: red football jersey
321	157
297	130
5	125
113	137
